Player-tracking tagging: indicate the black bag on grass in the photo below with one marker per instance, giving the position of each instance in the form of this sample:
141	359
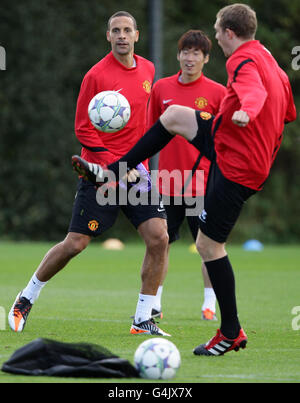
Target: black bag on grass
53	358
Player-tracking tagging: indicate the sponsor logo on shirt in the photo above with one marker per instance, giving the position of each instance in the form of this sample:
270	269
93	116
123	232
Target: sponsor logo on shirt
201	102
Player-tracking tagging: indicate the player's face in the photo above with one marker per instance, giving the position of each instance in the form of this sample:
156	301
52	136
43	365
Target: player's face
122	35
224	39
191	62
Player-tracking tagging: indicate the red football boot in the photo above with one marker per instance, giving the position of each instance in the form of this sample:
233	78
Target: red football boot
220	345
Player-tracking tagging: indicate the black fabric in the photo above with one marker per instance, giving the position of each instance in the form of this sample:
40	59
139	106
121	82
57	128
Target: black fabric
95	149
190	177
175	217
91	218
203	140
53	358
154	140
222	279
223	203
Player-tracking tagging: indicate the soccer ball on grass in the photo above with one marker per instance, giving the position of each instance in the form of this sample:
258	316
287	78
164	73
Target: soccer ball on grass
157	358
109	111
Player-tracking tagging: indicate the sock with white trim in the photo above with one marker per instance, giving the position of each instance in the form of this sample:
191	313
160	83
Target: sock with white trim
157	303
144	308
33	289
209	300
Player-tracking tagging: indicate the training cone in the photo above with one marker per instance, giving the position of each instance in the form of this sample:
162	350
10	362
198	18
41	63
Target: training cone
113	244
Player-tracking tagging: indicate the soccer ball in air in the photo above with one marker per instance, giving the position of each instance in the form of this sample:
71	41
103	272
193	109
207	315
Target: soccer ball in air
109	111
157	358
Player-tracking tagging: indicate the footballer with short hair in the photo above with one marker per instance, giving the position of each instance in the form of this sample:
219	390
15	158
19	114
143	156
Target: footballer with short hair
189	87
241	141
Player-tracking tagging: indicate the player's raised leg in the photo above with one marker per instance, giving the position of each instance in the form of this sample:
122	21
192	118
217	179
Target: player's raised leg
176	119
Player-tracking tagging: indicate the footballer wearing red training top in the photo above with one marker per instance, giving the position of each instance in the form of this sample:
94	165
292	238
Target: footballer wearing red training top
135	84
179	159
201	94
132	75
241	142
246	153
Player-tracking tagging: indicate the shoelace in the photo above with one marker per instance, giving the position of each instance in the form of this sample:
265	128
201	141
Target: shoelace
150	325
153	321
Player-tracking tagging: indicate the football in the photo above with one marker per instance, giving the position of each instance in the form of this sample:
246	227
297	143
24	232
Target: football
157	358
109	111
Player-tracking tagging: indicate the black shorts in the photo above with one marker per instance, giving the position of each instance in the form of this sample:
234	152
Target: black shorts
224	199
90	218
176	214
223	203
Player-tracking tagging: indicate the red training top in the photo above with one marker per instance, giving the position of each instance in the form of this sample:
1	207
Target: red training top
258	86
202	94
135	84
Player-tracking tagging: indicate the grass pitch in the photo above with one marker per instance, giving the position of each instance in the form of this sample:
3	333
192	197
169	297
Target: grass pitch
92	299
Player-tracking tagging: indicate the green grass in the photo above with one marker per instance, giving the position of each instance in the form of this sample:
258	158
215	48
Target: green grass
92	299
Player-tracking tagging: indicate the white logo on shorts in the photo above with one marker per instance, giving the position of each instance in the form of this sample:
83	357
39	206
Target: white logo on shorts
203	216
161	207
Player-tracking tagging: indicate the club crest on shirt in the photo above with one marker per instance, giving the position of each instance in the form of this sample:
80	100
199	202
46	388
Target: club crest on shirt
147	86
201	102
93	225
205	115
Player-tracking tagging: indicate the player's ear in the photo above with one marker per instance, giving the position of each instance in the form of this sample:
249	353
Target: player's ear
108	35
178	56
230	34
206	59
137	35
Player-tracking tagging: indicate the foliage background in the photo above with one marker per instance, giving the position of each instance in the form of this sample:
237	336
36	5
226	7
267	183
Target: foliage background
51	44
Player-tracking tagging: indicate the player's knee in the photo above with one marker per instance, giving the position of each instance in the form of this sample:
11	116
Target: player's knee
204	250
209	249
204	247
158	241
75	245
169	118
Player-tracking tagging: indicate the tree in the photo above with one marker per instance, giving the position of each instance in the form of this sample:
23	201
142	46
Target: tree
50	45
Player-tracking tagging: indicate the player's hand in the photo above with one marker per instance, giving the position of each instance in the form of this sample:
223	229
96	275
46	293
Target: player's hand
240	118
132	175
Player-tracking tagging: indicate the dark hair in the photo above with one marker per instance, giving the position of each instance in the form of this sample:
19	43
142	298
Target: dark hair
122	14
194	38
240	18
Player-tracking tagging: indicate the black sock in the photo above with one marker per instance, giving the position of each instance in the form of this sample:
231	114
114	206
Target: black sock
155	139
222	278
